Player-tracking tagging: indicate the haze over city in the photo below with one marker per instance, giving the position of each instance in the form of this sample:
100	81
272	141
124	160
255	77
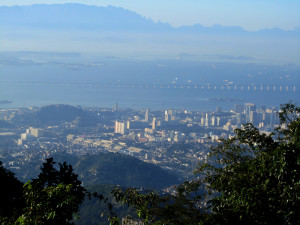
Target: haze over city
182	110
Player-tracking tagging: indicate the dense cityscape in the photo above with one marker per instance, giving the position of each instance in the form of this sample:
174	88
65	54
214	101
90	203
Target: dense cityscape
149	112
172	139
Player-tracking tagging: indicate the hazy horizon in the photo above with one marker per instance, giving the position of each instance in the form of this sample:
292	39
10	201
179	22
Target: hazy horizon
250	15
114	31
44	44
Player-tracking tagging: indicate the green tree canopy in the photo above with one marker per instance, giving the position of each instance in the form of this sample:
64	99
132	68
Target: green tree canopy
252	178
11	195
53	197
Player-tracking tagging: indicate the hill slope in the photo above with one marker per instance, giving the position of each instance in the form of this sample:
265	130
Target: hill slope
118	169
107	168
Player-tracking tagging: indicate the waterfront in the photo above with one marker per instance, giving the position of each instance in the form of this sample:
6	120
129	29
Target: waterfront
26	95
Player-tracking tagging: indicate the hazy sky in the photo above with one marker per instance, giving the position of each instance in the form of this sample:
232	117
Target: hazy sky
249	14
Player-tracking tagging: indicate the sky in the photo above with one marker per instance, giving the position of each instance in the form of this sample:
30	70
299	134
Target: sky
251	15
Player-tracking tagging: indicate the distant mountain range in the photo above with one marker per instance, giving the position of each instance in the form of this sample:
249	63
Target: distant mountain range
117	32
84	17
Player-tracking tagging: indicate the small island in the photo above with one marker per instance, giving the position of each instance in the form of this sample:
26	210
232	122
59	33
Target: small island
5	102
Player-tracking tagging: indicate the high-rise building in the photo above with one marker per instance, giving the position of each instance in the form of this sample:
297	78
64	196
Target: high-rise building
207	120
36	132
238	118
147	115
166	115
219	122
120	127
213	121
158	123
238	108
128	125
170	112
253	118
116	107
202	121
27	136
117	127
154	124
249	107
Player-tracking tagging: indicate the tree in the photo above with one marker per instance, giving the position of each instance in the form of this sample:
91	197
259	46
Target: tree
252	178
53	197
11	195
183	208
256	175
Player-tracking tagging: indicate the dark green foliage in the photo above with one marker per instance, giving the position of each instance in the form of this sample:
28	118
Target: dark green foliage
183	208
118	169
5	124
51	176
65	113
252	178
109	168
11	195
50	205
257	175
32	169
57	113
95	212
53	197
6	141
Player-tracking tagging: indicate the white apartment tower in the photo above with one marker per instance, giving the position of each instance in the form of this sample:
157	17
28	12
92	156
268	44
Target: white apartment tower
120	128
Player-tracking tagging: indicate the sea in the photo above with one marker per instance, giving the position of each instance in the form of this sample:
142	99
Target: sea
156	84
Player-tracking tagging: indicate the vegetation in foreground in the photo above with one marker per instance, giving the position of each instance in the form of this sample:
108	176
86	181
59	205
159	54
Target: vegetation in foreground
252	178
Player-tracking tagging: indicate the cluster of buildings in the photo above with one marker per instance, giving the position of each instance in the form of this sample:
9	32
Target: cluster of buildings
173	139
31	134
263	118
206	126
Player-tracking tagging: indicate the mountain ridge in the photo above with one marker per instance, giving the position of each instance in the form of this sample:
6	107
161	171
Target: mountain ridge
114	31
109	18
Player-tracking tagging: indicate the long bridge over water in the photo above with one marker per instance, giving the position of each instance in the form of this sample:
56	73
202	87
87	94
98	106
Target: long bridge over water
229	87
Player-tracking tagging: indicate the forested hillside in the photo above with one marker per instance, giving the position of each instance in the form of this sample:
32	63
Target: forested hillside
108	168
